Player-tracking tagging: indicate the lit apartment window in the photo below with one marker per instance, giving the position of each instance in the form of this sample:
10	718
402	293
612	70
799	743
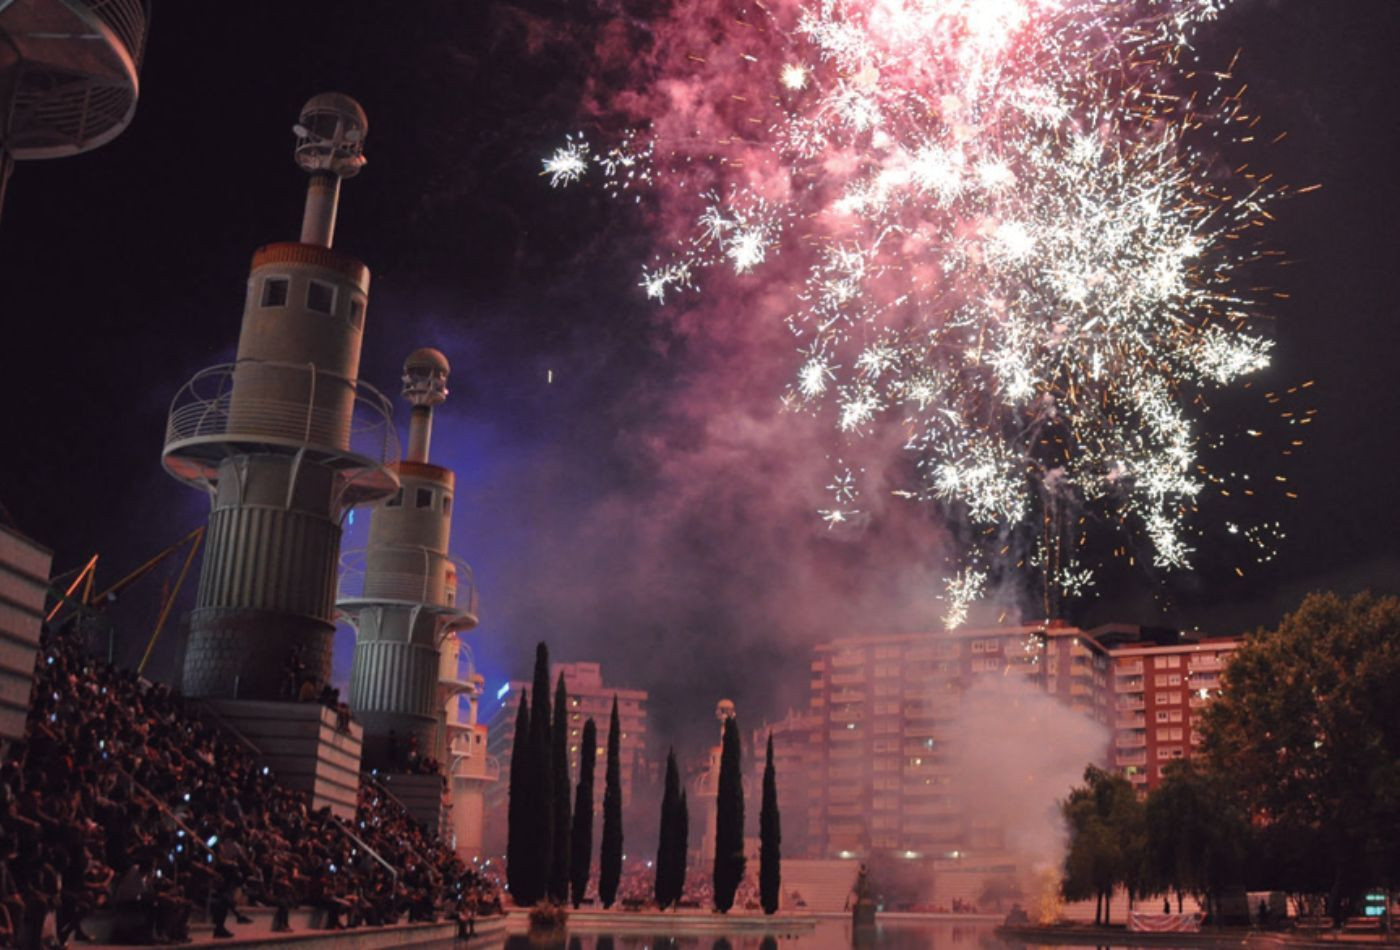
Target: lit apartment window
274	292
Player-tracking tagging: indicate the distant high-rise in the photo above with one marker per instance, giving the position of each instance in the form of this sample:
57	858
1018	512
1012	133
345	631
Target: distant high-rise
885	718
69	76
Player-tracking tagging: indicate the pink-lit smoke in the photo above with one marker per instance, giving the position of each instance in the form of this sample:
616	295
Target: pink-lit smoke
999	269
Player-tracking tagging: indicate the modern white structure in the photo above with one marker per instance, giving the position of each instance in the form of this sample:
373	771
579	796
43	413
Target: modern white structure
285	441
69	76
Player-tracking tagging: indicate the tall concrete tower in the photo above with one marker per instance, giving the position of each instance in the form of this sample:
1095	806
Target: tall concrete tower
405	592
285	441
69	76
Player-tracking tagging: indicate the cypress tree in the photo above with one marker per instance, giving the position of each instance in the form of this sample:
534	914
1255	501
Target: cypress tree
666	837
518	814
770	838
680	843
540	819
729	820
610	851
581	839
559	770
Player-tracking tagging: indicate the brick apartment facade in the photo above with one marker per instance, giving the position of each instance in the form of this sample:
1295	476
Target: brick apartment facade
874	745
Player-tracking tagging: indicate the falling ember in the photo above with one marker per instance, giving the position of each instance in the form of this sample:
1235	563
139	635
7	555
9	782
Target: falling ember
1007	239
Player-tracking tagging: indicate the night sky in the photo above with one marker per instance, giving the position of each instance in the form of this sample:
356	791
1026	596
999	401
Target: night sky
649	508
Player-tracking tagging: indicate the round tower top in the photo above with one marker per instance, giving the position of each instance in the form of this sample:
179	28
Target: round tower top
331	135
425	377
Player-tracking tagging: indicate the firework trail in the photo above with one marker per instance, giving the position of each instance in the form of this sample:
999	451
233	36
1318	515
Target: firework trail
1000	236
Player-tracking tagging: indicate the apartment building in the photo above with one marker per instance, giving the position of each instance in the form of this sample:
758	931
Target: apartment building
884	710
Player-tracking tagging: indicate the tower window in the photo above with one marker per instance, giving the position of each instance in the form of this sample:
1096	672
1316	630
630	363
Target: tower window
357	313
396	501
424	498
274	292
320	296
447	504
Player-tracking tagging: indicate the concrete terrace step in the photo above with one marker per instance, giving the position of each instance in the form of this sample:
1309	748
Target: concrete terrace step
304	937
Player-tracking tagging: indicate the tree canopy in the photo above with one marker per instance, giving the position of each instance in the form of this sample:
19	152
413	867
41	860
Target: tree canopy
1307	732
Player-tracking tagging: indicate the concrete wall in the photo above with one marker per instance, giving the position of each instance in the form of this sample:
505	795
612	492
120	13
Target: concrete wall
300	743
24	582
420	794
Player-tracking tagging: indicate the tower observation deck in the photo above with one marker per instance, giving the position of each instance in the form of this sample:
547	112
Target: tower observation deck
284	440
69	76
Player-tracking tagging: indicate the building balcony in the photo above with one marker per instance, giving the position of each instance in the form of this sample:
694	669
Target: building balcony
846	679
1130	702
94	98
1130	722
1121	759
1134	740
1128	684
1205	663
846	696
945	810
1081	689
1128	669
286	409
480	768
438	582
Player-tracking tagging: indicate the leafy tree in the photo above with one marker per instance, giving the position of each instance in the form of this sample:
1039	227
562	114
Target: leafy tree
1307	729
610	851
770	837
519	811
1197	836
581	839
1107	839
729	819
559	776
667	889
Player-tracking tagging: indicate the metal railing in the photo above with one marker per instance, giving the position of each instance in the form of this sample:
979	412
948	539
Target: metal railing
205	409
125	18
357	582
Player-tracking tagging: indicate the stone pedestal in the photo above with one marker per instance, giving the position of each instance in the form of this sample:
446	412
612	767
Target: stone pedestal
420	794
300	743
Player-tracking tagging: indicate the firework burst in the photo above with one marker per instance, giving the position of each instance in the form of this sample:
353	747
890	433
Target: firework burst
1004	239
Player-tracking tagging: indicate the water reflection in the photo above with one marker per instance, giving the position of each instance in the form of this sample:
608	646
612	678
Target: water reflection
829	935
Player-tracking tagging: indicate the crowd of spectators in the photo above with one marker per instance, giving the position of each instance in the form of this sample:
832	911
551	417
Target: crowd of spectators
300	685
408	757
122	800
